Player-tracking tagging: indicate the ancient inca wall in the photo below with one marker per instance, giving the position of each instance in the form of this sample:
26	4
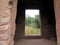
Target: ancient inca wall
7	21
57	15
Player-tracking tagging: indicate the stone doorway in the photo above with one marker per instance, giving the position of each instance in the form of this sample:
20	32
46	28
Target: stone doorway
8	8
47	18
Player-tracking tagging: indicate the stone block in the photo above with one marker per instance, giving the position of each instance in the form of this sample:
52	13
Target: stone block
4	21
4	36
4	28
6	42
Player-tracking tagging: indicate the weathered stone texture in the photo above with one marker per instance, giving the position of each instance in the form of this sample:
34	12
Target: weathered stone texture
57	15
13	17
7	21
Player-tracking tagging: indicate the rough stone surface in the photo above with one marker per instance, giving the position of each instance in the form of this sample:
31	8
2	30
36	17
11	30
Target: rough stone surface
57	15
7	21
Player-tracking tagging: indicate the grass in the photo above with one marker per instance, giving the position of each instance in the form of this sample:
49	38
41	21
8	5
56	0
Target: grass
31	31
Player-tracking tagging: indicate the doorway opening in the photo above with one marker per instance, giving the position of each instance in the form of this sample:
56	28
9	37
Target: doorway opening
32	22
48	29
46	11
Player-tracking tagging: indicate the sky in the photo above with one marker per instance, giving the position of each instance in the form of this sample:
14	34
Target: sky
31	12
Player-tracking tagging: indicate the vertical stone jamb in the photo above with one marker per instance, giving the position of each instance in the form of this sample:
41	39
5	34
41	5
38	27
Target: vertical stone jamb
7	21
57	15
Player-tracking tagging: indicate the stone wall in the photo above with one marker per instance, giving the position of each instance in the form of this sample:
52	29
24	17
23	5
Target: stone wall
7	21
57	14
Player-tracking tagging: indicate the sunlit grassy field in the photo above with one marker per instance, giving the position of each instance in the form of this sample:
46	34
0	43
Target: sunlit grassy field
31	31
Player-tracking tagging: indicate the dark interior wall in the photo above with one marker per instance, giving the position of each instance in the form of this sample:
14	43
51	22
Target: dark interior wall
47	17
20	22
51	21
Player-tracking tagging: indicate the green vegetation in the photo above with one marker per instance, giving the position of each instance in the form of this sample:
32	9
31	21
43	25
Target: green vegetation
32	26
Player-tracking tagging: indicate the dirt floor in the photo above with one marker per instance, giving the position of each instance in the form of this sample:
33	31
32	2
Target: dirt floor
35	42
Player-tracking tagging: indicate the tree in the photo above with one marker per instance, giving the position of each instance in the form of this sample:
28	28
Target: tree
28	20
37	21
34	22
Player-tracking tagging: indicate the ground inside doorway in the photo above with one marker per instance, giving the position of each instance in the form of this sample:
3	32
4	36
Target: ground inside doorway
35	42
